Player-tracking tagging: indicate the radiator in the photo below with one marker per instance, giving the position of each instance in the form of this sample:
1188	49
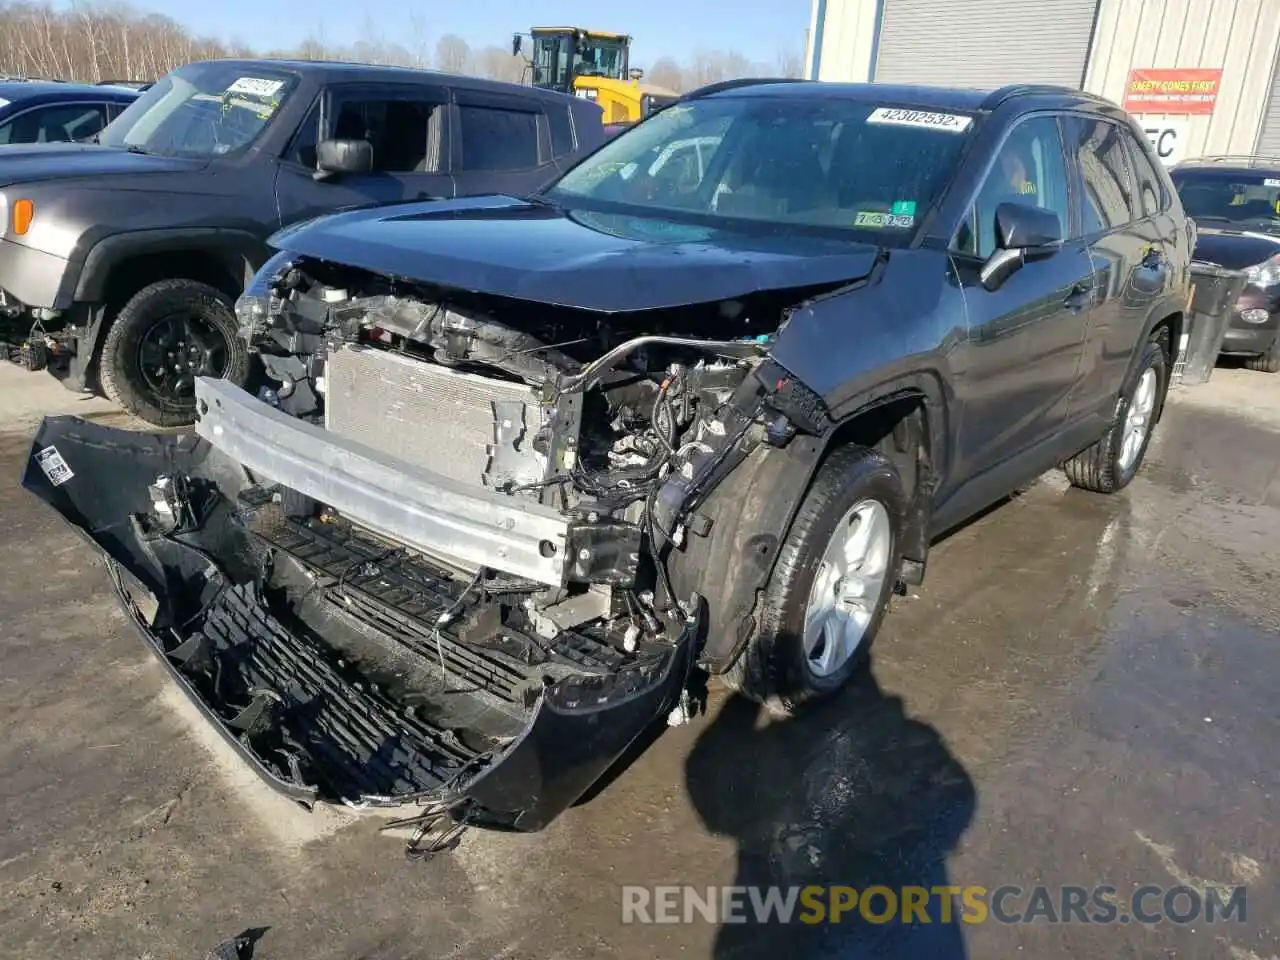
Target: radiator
460	425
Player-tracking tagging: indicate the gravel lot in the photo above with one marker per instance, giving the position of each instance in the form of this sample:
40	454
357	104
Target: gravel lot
1084	691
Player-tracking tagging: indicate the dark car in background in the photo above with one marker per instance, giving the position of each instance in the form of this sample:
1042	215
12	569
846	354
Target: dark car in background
48	111
1235	203
122	258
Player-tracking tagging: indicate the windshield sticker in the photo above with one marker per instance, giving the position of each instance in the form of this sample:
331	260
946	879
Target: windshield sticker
905	208
54	467
950	122
870	218
1271	182
4	102
256	87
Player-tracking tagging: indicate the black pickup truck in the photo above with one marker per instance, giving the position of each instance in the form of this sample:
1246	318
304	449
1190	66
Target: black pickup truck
120	260
702	403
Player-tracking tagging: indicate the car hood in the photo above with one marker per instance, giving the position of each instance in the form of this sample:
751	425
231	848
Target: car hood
32	163
590	260
1234	249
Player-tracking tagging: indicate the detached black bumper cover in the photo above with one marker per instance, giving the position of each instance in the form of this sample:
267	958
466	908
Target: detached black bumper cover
313	649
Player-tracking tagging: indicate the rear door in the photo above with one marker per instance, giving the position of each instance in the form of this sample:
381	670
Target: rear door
408	127
1026	336
503	144
1127	224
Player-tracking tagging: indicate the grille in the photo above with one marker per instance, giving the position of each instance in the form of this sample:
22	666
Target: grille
431	416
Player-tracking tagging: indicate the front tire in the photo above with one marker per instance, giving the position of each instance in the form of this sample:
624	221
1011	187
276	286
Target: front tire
836	571
1110	464
1268	362
165	336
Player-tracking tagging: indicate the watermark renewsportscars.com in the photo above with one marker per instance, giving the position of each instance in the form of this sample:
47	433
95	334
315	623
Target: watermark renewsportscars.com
1098	904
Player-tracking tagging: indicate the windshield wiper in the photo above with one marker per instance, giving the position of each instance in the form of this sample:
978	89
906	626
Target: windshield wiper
134	148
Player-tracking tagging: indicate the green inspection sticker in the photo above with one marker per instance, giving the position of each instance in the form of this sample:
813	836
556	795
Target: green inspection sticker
906	208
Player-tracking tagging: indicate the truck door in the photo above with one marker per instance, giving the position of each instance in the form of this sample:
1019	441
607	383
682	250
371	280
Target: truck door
408	127
1025	338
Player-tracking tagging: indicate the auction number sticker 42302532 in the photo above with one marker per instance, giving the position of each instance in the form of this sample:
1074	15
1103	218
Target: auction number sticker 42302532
950	122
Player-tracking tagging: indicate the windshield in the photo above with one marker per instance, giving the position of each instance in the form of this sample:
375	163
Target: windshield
202	110
1236	197
556	61
821	163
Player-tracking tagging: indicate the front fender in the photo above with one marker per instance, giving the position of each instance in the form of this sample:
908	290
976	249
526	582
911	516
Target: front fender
242	250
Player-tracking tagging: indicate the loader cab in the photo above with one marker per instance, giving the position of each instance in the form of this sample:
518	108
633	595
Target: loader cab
563	54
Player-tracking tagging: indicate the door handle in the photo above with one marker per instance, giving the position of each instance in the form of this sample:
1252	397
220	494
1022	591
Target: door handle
1079	297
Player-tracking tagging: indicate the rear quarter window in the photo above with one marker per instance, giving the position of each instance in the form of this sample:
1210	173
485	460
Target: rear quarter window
561	130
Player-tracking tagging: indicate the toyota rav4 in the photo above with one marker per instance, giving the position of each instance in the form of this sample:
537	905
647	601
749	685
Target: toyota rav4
524	466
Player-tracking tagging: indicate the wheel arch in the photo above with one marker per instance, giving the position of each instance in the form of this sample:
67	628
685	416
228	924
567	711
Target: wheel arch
752	509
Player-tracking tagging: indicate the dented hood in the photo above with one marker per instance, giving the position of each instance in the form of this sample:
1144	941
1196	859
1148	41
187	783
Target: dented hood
595	261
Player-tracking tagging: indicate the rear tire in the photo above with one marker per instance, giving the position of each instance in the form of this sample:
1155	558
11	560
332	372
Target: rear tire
1110	464
166	335
856	493
1268	362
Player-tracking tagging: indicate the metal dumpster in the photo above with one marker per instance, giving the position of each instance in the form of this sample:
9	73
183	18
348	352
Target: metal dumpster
1215	292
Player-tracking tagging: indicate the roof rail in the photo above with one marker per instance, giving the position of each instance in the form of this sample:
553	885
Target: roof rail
1251	159
721	85
997	97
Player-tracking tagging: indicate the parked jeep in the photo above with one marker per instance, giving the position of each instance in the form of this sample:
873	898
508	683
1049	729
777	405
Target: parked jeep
528	462
129	254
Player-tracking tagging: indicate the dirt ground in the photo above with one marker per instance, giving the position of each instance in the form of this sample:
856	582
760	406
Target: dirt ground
1083	692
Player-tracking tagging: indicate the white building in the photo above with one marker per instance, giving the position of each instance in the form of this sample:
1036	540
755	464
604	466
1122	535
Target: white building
1200	75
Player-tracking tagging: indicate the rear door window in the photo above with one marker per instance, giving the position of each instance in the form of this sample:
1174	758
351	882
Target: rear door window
1152	196
58	123
1108	183
497	138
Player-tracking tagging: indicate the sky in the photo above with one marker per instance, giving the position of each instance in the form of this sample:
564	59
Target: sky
758	29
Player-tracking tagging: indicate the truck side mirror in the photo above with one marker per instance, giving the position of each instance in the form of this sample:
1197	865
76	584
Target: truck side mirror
517	42
1023	233
336	157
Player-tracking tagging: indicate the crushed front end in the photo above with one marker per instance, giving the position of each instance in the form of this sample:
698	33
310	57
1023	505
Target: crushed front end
425	565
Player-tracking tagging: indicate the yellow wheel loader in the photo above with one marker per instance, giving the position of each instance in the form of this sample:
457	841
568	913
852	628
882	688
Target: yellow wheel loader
595	65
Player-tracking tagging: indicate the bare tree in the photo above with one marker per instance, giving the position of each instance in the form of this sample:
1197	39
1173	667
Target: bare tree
453	55
665	72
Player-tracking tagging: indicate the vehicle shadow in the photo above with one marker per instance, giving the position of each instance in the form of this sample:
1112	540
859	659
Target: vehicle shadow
853	793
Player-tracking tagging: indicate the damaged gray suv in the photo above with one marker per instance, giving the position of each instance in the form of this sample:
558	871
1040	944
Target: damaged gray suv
525	467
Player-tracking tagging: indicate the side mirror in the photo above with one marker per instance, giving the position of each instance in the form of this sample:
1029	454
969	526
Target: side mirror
517	42
1023	233
335	157
636	73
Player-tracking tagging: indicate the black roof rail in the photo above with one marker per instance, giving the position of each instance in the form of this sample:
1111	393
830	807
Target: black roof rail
1253	160
722	85
997	97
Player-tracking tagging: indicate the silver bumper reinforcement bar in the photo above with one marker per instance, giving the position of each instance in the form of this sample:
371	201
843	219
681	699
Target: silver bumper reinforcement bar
407	503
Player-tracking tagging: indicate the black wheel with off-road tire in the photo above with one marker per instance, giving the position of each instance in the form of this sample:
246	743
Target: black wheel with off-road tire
168	334
1268	362
1108	465
829	590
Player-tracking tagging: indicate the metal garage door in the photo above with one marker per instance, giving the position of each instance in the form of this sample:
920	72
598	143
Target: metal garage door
1269	135
978	43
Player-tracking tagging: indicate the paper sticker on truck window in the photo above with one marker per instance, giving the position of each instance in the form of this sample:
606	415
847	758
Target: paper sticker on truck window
950	122
869	218
54	467
256	87
1271	182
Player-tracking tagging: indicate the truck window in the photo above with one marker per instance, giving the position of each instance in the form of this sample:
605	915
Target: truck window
405	134
1104	170
1030	169
494	138
55	124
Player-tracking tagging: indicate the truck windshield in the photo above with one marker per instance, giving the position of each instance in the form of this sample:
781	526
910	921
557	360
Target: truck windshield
777	162
202	110
1244	198
556	59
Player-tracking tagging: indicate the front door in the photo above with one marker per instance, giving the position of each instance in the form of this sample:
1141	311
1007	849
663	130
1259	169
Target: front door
408	127
1025	340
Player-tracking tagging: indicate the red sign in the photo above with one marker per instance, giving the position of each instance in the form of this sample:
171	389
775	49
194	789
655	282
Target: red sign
1179	90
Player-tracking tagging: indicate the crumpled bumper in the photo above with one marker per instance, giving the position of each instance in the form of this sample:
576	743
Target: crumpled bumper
317	648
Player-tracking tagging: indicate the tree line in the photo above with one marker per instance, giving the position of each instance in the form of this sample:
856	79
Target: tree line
96	42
